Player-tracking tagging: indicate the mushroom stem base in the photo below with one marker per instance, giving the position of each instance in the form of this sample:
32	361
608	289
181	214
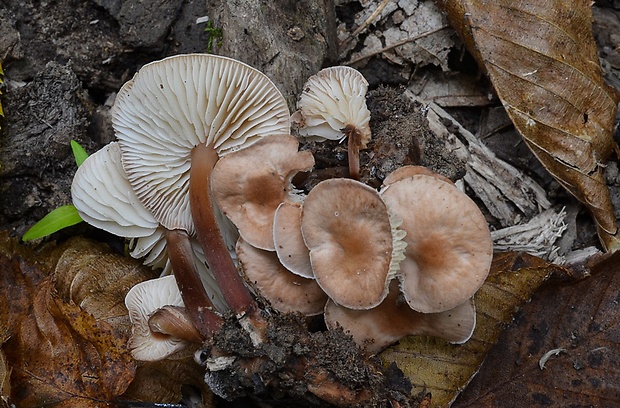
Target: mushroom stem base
197	302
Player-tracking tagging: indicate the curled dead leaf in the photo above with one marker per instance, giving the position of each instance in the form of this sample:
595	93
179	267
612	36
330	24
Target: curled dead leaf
442	369
543	62
61	354
91	276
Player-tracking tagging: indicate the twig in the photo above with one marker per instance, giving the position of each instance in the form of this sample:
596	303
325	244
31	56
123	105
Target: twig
398	44
342	45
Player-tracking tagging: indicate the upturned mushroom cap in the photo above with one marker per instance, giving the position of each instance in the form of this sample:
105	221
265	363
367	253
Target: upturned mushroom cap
290	246
346	227
104	198
174	104
331	101
377	328
285	291
143	300
449	247
250	184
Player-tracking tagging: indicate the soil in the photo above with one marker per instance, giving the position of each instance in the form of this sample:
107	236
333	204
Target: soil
64	59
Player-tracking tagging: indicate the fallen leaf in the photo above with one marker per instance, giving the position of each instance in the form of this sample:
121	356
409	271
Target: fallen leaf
543	62
442	369
97	280
62	356
162	381
581	318
5	371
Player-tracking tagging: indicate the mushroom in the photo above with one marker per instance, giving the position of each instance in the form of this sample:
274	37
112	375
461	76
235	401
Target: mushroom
285	291
375	329
289	242
347	229
449	247
174	120
172	330
333	106
104	198
250	184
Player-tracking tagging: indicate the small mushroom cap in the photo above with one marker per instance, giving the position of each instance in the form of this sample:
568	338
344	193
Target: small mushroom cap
408	171
449	247
250	184
142	300
346	226
174	104
290	246
331	101
285	291
104	198
377	328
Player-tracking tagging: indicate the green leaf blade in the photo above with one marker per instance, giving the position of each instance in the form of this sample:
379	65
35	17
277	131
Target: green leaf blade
78	152
62	217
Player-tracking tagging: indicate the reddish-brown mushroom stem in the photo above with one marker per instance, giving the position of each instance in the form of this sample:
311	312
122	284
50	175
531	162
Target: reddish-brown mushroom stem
234	291
353	150
194	296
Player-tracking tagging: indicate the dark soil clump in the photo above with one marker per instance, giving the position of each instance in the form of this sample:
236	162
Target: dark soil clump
294	366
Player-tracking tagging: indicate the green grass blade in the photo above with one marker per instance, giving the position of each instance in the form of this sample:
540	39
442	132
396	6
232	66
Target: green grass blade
60	218
78	152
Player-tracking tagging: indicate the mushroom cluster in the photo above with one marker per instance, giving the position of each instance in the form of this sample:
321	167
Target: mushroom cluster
381	265
200	180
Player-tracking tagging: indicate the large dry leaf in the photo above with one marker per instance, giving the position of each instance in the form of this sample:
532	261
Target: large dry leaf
161	381
57	354
62	356
68	328
543	62
563	350
444	369
97	280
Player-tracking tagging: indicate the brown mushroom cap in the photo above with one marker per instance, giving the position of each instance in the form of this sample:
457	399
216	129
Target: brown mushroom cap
285	291
449	247
250	184
408	171
290	246
346	227
377	328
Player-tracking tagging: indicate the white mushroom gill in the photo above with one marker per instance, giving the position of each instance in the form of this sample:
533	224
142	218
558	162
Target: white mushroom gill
143	300
174	104
333	99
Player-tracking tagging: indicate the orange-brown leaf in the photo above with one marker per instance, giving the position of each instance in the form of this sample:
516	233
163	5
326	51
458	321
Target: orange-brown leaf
543	62
562	350
60	354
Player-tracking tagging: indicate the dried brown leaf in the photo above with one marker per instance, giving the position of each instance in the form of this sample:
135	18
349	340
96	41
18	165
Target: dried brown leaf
570	329
543	62
161	381
63	355
97	280
442	369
